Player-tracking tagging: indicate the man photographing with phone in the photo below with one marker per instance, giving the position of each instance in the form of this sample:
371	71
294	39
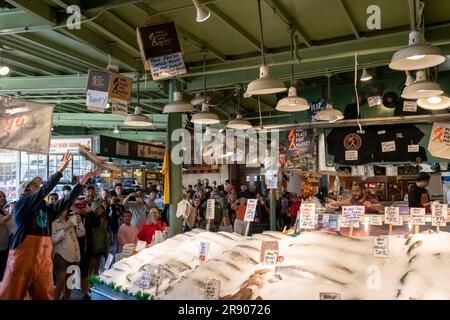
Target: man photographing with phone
29	268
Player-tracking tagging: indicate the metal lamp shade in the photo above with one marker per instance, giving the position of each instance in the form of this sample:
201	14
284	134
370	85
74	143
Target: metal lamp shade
292	103
205	116
265	84
202	14
329	114
178	105
418	55
239	123
422	89
137	119
434	103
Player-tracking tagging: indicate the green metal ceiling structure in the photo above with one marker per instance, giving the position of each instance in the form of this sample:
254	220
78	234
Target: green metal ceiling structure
49	61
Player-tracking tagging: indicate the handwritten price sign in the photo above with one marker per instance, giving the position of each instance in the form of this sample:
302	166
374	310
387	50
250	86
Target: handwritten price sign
352	213
392	216
307	216
417	216
381	247
439	214
212	291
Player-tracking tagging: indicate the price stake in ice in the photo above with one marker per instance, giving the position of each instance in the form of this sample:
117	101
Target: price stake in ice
439	213
417	216
269	253
212	291
250	210
392	216
352	213
307	216
210	204
381	247
203	251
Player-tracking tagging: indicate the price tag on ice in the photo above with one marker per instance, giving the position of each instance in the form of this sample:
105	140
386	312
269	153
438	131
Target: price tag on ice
381	247
307	216
109	260
330	296
417	216
376	220
212	291
210	203
269	253
203	251
353	213
413	148
326	218
346	224
140	245
409	106
250	210
351	155
388	146
392	216
144	282
439	214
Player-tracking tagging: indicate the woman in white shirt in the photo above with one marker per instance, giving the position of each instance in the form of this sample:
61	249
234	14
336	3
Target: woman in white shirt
66	250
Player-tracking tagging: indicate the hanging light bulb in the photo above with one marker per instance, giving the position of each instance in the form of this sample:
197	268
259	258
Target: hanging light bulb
292	103
329	114
4	70
265	84
422	87
366	76
178	105
116	130
202	13
418	55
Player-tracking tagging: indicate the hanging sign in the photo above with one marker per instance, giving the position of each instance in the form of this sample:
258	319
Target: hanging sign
250	210
212	291
97	89
417	216
25	126
119	107
307	216
120	87
210	206
167	66
392	216
122	148
439	214
381	247
439	143
352	213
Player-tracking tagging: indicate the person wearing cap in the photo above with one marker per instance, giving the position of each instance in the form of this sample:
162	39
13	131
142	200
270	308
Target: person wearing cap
66	190
138	208
29	268
418	196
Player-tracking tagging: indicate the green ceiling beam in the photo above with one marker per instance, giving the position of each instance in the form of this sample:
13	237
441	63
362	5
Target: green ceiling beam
235	26
47	14
51	46
13	21
349	18
147	136
276	4
28	64
45	56
56	84
21	72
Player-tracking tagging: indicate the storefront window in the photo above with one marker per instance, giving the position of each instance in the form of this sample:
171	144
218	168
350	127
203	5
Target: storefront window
33	165
8	173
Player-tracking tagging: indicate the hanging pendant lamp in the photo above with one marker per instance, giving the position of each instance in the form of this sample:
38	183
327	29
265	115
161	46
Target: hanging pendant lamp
205	116
329	114
239	123
202	13
292	103
418	55
422	87
434	103
178	105
137	119
366	76
265	84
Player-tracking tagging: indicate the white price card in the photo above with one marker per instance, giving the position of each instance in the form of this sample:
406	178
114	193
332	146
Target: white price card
140	245
145	280
413	148
307	216
325	218
203	251
347	224
409	106
388	146
250	210
381	247
330	296
212	291
439	213
210	203
374	101
376	220
351	155
109	261
417	216
392	216
353	213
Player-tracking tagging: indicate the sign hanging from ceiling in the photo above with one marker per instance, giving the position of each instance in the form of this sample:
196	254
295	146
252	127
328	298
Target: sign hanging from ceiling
439	144
97	90
63	145
161	51
120	87
25	126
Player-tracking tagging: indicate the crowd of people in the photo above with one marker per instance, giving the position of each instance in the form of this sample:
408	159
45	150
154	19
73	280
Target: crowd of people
42	235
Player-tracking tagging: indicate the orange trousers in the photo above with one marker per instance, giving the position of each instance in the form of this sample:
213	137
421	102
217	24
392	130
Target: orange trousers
29	269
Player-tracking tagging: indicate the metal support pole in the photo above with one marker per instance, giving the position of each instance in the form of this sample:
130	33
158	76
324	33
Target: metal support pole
273	211
174	122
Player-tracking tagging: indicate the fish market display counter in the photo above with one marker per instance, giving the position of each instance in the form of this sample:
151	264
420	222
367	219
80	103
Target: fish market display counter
313	265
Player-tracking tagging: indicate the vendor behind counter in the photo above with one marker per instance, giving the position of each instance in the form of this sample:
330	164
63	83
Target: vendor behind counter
360	198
